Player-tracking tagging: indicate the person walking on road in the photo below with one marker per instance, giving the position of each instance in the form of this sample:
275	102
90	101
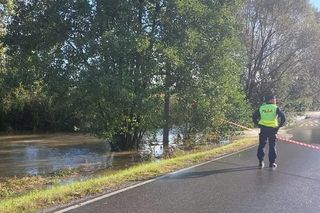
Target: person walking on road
267	119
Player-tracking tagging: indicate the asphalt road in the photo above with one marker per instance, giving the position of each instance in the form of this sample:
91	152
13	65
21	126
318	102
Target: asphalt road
231	184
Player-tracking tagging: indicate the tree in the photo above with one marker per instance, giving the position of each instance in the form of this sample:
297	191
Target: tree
118	85
38	39
198	51
6	9
275	38
120	69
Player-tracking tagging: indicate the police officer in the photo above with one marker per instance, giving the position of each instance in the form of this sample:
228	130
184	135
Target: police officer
267	118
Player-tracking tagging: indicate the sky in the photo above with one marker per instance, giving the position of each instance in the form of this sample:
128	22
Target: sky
316	3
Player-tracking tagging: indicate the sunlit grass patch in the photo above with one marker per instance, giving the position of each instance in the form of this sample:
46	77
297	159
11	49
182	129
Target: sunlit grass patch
16	186
13	186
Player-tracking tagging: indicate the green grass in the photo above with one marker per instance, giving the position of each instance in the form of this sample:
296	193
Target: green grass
11	187
41	199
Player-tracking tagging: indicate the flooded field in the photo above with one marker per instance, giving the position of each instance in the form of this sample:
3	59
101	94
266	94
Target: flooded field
307	130
48	153
307	135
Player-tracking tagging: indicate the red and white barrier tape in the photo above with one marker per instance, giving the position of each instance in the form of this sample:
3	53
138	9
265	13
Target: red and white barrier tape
281	138
298	143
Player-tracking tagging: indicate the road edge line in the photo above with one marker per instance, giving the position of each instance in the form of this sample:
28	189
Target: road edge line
146	182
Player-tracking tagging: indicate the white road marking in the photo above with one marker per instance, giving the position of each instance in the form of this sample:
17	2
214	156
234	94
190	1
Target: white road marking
145	182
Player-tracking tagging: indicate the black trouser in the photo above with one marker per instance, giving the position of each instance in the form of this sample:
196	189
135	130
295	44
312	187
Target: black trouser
267	134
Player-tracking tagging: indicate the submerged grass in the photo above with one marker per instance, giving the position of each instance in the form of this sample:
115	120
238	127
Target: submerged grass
41	199
11	187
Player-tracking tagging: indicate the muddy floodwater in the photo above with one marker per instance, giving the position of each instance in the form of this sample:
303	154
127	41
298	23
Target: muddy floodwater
307	131
48	153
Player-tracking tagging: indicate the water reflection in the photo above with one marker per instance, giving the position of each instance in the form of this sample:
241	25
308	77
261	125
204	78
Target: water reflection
49	153
307	134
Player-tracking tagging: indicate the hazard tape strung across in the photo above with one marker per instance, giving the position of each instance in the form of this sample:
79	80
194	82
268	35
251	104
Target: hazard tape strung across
281	138
238	125
298	143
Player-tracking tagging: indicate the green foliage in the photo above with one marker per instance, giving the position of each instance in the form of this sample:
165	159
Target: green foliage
280	39
119	69
205	82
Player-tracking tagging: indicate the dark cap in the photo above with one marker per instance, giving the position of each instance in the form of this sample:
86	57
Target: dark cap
269	97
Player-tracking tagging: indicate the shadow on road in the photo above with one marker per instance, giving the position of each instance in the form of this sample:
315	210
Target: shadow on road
214	172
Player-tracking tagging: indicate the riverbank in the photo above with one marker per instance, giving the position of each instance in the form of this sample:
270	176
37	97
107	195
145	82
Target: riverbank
38	199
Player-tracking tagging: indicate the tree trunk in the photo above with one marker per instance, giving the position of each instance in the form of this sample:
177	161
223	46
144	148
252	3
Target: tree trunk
166	121
166	114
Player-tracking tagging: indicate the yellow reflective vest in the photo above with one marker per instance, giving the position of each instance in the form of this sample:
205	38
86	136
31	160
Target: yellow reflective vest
268	115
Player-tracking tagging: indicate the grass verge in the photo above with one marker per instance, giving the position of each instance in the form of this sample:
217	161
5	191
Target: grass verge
41	199
11	187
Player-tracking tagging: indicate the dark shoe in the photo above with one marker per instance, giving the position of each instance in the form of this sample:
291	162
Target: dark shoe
261	164
273	165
